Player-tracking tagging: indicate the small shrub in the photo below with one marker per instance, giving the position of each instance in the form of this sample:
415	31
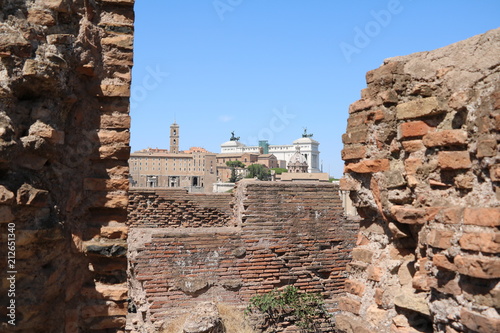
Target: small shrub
303	309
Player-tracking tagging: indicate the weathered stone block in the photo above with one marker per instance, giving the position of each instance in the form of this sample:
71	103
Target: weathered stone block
361	254
375	273
353	152
479	323
412	146
47	132
6	196
413	129
204	318
115	57
384	73
57	5
420	282
375	315
61	39
452	215
495	172
13	42
108	137
481	241
389	97
121	41
441	261
414	302
444	284
440	238
409	215
354	287
120	121
405	273
105	291
445	138
361	105
114	90
349	305
192	285
41	17
394	178
368	166
118	152
454	160
487	217
114	232
348	184
422	89
411	165
465	181
352	324
358	136
30	196
356	120
486	148
480	267
420	108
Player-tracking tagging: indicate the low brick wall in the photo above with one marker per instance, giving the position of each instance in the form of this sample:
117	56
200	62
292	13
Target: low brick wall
283	234
149	208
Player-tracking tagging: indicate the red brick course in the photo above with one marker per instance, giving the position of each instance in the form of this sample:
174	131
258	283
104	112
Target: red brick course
177	208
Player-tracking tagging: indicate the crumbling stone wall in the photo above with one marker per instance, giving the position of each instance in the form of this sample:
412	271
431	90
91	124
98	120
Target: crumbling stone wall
422	161
277	234
65	71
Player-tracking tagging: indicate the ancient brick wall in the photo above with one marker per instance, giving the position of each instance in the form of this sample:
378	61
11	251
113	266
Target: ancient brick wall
422	161
150	208
65	69
277	234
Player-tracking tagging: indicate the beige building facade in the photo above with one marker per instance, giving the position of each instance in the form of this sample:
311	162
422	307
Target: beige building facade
309	148
224	172
194	169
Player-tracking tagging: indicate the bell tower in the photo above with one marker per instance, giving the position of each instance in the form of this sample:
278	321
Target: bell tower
174	138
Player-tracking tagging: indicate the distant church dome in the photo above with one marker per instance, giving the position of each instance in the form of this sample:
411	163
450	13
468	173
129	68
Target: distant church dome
297	163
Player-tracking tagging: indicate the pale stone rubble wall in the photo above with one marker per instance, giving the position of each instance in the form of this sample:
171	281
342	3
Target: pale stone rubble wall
422	161
65	71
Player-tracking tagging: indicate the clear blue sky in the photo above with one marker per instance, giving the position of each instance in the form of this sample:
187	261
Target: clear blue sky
268	68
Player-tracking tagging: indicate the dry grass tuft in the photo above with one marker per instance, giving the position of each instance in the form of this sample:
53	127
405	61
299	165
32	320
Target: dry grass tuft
233	319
